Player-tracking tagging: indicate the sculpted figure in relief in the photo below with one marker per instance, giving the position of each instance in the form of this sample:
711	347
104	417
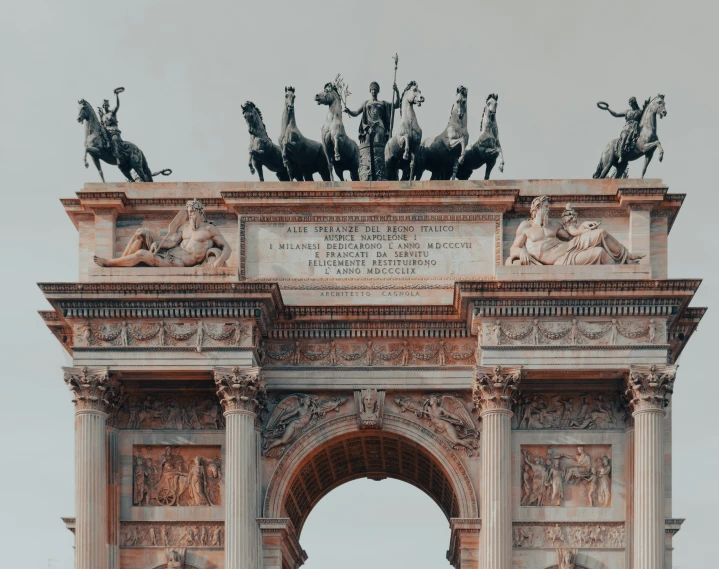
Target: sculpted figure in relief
448	417
190	241
543	241
566	558
294	415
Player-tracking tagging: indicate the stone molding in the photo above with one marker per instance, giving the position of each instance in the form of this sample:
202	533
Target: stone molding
460	528
241	389
494	388
93	388
288	534
172	534
649	388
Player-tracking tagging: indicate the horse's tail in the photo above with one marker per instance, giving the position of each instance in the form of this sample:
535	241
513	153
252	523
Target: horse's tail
165	172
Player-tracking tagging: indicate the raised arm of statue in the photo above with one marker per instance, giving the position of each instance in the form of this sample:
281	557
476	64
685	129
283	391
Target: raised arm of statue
219	240
618	115
356	113
397	100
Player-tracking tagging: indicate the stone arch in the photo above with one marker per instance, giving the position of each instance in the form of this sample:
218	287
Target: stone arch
337	452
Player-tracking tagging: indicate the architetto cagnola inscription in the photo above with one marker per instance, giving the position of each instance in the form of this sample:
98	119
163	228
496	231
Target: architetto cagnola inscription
241	349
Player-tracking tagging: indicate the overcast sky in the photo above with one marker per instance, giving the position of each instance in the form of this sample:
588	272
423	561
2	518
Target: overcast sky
187	67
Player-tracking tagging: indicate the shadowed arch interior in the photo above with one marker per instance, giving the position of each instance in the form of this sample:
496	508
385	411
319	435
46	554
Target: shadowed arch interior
374	455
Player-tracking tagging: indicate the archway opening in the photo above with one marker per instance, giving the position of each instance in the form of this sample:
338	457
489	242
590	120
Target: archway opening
383	525
374	455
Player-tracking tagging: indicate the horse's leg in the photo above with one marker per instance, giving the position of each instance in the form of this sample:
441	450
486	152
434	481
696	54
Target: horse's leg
127	172
339	172
647	160
260	173
411	167
336	144
98	165
489	166
404	143
84	158
326	167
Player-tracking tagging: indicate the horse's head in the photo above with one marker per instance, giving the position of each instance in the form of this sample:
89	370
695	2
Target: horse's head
328	96
661	108
84	112
412	94
460	104
491	105
253	116
290	98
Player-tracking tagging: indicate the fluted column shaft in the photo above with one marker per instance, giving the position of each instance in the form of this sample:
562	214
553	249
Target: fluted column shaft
648	391
493	393
242	393
495	489
90	490
649	489
94	391
241	533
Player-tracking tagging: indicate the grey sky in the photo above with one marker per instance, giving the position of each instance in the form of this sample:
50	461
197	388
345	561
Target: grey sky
187	67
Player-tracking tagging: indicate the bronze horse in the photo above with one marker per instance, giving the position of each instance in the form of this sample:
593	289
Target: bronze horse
263	152
487	149
302	157
442	154
647	142
340	149
97	145
402	150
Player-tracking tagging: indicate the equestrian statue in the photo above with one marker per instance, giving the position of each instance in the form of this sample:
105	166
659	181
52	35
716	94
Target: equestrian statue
442	154
638	137
302	157
263	152
487	149
103	142
402	150
341	150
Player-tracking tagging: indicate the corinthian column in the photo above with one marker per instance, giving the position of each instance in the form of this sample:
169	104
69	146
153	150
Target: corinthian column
95	392
648	391
493	392
243	394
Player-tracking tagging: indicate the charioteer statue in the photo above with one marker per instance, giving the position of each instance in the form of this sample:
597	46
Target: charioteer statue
628	136
374	131
103	142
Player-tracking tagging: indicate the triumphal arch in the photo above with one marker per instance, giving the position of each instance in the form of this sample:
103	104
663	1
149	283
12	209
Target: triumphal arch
239	350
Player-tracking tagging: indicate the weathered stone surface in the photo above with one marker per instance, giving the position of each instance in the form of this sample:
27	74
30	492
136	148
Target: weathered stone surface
272	381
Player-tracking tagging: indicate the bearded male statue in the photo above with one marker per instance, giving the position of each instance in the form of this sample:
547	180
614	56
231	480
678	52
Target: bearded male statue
190	241
544	241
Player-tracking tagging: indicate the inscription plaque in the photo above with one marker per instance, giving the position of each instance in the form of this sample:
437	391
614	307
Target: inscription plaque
402	251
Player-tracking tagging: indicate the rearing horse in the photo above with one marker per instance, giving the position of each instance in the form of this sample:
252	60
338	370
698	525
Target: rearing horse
647	143
487	149
97	145
302	157
342	151
263	152
442	154
403	148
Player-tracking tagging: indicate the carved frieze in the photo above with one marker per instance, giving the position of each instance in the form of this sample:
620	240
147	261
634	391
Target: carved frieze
566	475
369	353
447	416
370	408
573	332
294	415
177	476
92	388
180	410
172	534
568	534
197	334
568	411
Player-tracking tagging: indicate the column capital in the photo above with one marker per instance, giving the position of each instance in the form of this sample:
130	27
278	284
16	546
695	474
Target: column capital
649	387
93	388
241	389
494	388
